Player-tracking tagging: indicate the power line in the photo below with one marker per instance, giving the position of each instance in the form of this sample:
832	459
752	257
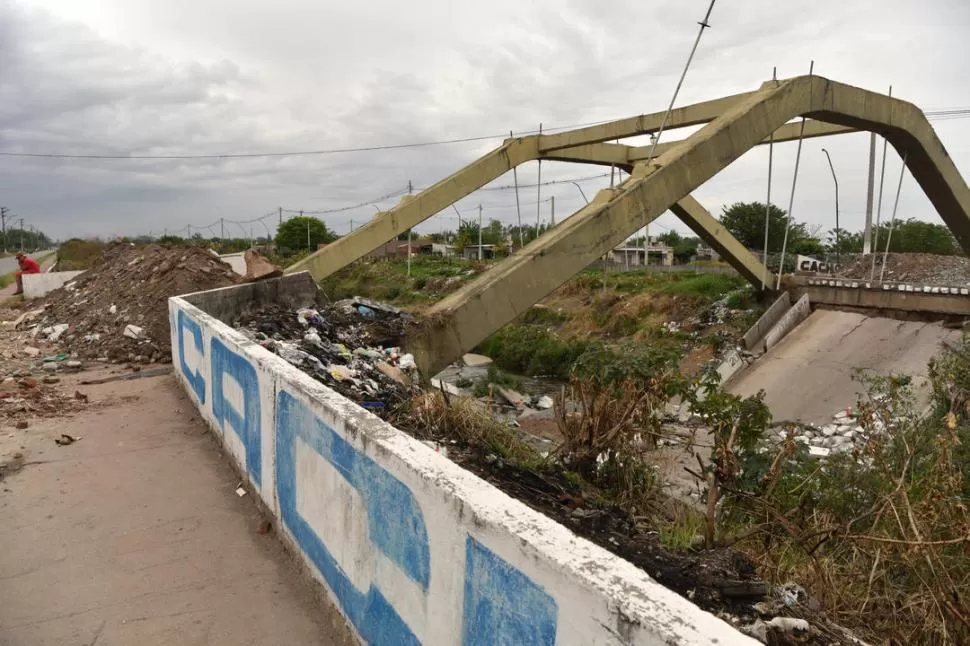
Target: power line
933	115
296	153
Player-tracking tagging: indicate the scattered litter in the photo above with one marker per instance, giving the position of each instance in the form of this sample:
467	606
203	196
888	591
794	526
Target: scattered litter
545	402
436	446
60	356
78	395
65	439
113	309
350	351
54	332
240	491
21	424
264	527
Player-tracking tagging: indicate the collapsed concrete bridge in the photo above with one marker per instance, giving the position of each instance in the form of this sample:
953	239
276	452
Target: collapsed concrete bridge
661	179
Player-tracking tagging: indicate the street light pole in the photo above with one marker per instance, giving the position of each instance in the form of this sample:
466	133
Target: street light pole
838	232
585	199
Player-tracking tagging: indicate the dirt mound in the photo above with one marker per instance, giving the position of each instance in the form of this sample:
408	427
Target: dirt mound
118	309
924	268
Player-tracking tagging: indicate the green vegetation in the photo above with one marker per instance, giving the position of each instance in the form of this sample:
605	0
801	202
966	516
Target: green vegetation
77	254
746	221
879	534
431	278
908	236
706	287
28	238
532	350
302	233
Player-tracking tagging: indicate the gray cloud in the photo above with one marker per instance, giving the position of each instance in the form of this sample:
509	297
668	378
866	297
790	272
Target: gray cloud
212	76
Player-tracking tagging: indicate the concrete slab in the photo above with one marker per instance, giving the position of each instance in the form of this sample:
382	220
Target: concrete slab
37	285
134	535
808	375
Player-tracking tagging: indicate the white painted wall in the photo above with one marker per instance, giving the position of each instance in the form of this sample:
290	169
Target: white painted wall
411	547
37	285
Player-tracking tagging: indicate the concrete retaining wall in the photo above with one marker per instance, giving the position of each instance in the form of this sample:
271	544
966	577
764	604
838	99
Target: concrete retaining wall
757	332
411	547
905	297
795	315
37	285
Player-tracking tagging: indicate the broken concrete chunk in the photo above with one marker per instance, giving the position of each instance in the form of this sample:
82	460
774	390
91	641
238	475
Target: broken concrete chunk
113	309
134	331
512	397
476	360
31	351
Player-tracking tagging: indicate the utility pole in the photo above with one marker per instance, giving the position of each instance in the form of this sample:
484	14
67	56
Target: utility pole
21	234
479	233
867	235
838	233
553	219
281	216
307	231
222	228
3	223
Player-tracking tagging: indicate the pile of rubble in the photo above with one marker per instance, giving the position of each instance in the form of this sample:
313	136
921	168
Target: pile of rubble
844	434
118	309
351	346
28	373
921	268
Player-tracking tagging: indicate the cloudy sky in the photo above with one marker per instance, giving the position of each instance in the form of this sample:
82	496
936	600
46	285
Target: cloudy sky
188	77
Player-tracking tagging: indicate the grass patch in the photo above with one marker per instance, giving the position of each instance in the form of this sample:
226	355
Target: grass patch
432	416
704	286
77	254
431	278
681	532
532	350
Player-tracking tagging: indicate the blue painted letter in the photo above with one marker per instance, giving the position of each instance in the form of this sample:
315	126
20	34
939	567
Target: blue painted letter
196	380
245	421
503	607
395	522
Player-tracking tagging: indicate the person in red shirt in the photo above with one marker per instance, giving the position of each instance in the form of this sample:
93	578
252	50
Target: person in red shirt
27	266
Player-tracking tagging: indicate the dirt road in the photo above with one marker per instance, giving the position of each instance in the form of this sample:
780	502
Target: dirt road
809	375
134	534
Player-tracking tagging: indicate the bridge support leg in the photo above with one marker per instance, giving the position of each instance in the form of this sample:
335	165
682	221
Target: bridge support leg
720	239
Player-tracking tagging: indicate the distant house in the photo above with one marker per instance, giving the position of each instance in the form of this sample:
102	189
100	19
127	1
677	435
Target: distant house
471	252
706	253
442	249
656	253
398	249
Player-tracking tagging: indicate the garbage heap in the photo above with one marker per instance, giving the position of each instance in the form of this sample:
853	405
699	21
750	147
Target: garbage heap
352	346
118	309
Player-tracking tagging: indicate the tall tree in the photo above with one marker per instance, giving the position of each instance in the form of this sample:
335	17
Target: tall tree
302	233
746	222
